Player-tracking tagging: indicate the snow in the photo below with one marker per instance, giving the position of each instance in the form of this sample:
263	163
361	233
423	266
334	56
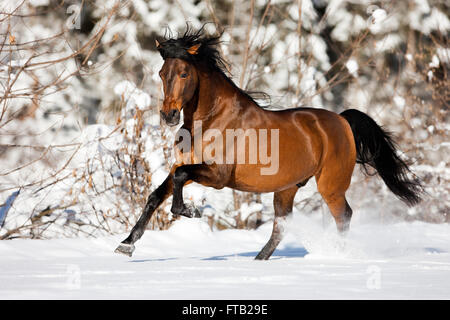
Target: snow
434	62
319	51
375	261
443	54
135	98
352	66
389	42
379	15
37	3
399	101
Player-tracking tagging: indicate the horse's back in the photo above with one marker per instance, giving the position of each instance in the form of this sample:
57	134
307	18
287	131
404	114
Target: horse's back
310	141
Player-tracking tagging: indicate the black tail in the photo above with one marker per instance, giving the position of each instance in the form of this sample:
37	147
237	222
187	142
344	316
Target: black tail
376	148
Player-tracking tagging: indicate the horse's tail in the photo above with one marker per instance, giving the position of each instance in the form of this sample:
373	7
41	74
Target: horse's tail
376	148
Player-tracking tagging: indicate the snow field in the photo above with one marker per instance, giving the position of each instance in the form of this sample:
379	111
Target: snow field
188	261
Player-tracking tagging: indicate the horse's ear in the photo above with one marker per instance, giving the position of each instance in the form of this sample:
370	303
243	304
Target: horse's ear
194	48
157	44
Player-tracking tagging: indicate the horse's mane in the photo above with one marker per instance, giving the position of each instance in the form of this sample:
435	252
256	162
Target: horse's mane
207	55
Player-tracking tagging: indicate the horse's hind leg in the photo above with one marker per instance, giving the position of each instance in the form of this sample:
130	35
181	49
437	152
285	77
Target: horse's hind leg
332	188
340	210
126	247
282	202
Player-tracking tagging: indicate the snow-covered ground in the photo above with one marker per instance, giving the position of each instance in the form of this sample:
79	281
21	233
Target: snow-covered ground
188	261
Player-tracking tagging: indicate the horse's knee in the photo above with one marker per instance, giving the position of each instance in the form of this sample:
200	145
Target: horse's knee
160	194
180	175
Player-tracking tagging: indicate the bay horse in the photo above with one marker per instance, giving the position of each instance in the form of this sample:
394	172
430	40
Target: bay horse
312	142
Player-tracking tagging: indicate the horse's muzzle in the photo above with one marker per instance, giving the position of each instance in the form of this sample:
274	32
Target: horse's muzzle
172	118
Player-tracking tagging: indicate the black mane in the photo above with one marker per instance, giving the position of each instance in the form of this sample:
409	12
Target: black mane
207	55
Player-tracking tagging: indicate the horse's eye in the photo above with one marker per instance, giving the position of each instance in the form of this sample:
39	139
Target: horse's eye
183	75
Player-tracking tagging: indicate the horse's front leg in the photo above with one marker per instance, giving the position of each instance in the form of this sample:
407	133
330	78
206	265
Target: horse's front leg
200	173
154	200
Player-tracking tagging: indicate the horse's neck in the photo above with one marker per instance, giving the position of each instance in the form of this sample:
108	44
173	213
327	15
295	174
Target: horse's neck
215	97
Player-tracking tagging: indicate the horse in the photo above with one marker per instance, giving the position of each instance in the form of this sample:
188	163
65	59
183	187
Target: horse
312	142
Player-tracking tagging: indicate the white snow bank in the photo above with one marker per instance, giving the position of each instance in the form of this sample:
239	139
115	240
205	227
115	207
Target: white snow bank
395	261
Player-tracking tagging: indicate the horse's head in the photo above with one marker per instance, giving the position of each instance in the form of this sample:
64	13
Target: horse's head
183	57
180	79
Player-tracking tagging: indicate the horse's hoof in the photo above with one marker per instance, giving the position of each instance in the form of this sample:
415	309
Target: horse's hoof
126	249
193	211
189	211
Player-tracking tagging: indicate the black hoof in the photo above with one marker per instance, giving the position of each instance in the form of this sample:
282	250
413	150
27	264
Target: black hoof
195	213
189	211
126	249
